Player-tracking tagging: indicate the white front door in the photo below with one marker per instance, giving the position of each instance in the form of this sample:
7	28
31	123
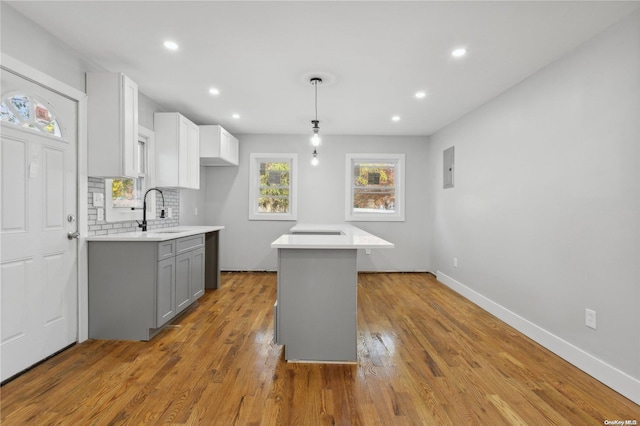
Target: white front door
39	282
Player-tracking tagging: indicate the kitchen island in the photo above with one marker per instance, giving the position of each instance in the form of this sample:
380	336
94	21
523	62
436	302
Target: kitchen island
139	281
315	314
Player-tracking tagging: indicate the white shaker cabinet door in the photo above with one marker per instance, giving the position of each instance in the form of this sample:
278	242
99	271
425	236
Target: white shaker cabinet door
177	151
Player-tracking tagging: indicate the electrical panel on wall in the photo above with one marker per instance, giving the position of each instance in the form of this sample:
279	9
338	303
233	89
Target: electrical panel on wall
448	167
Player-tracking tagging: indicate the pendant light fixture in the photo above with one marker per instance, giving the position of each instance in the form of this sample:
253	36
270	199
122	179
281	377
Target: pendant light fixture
315	139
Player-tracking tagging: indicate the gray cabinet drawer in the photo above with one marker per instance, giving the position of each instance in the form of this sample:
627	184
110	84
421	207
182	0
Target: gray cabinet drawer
166	249
189	243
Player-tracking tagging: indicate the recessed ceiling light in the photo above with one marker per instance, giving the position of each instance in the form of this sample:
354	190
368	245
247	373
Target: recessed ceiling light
214	91
459	53
171	45
421	94
236	116
395	118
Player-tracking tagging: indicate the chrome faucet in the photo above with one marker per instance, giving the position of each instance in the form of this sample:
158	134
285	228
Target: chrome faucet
143	225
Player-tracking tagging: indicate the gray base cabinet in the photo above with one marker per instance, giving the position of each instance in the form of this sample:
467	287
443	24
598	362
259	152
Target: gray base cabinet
165	301
183	272
316	310
135	288
212	260
197	280
189	278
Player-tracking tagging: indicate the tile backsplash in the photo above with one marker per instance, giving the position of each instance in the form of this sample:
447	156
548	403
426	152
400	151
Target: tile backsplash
96	227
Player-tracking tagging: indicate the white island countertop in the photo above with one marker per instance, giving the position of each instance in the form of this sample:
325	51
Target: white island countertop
338	236
162	234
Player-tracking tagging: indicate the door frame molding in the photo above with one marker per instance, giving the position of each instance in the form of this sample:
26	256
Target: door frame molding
20	68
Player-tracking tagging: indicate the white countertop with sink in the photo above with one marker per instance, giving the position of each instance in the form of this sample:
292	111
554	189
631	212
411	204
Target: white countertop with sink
329	236
162	234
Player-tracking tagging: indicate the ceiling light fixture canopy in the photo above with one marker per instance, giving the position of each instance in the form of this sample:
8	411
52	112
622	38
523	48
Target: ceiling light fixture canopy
315	139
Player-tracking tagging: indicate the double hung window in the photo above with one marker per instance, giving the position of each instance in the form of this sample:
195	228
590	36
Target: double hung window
374	187
272	192
124	196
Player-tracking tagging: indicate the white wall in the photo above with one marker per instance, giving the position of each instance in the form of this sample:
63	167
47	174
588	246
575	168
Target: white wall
33	45
46	53
245	244
544	218
192	203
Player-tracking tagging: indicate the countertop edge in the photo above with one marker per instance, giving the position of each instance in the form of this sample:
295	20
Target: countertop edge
156	234
351	238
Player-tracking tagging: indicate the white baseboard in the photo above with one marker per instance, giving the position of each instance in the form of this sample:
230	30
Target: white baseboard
600	370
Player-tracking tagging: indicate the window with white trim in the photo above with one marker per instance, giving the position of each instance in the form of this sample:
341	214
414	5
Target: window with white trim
273	186
123	196
374	187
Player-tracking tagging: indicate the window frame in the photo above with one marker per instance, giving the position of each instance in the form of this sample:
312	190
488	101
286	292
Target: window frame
114	214
254	185
399	186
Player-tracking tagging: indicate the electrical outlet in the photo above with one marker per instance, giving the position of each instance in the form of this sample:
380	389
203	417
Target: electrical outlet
196	212
455	262
367	251
100	214
170	212
590	318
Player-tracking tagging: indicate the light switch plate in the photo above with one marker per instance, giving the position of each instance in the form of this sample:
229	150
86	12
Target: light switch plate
98	199
100	214
590	318
448	160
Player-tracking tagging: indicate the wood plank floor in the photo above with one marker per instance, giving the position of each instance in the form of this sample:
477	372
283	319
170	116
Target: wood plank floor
426	357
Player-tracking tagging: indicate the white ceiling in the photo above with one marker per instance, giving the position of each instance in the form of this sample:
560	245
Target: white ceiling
373	56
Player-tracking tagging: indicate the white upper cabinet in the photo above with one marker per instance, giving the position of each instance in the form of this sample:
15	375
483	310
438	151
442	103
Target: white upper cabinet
217	147
112	125
177	151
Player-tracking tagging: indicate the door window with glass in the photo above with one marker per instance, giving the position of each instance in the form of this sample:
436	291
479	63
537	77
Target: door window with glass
29	112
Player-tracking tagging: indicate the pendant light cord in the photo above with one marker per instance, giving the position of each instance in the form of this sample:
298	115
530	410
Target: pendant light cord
315	84
315	81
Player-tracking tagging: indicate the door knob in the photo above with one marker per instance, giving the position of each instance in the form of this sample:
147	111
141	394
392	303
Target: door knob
72	235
